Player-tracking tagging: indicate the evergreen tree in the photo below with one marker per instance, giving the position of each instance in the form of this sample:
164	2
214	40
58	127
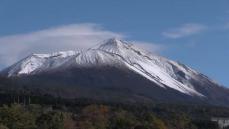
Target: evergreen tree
51	120
16	117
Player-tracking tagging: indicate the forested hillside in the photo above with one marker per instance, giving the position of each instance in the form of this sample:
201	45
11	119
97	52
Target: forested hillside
21	108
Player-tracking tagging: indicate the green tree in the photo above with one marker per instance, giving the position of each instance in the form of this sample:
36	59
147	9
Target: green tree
51	120
16	117
206	124
152	122
123	120
179	121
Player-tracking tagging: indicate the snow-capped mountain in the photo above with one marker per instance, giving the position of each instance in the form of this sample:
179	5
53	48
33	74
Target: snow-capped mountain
162	72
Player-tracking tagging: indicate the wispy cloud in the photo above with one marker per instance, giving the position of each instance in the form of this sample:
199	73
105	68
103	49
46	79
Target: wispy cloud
75	36
227	11
68	37
184	30
226	26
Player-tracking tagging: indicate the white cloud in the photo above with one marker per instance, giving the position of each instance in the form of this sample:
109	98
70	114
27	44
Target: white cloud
68	37
184	30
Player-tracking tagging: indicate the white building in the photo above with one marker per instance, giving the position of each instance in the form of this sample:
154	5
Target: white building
223	122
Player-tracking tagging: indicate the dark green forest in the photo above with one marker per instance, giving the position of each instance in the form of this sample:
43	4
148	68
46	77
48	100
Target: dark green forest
23	109
96	116
46	112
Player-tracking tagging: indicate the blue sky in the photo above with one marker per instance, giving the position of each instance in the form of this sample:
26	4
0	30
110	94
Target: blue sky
194	32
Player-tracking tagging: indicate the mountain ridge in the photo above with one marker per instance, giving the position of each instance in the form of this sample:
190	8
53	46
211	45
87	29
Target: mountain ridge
121	54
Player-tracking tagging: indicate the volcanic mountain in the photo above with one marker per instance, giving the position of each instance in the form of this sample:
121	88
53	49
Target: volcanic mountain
116	70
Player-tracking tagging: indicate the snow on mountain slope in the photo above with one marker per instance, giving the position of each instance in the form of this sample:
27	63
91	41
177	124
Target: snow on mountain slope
39	62
165	73
155	68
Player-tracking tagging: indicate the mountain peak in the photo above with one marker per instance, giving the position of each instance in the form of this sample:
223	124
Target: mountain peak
113	42
118	57
116	53
113	45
